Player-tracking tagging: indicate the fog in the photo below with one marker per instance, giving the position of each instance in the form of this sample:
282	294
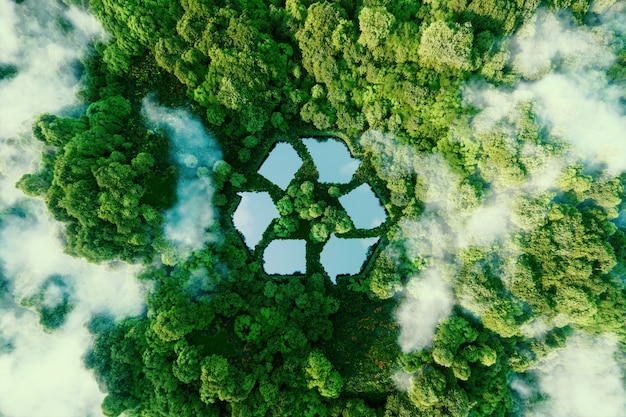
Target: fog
45	58
42	372
194	151
575	97
582	380
565	74
428	302
562	76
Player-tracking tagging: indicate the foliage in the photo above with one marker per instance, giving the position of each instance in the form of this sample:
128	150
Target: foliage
104	175
52	302
219	336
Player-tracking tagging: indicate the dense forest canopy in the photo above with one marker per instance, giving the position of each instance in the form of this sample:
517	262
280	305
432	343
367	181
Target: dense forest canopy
490	130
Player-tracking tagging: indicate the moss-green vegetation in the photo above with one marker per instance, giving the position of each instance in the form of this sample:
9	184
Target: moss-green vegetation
7	71
52	303
104	173
220	337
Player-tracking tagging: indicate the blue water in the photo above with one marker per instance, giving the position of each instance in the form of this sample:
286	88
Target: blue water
285	257
332	159
335	165
345	256
363	207
253	215
281	165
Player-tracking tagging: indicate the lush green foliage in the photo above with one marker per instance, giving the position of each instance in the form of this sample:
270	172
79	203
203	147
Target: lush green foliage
103	174
220	337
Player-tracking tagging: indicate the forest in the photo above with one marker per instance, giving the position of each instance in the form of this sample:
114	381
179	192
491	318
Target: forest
505	236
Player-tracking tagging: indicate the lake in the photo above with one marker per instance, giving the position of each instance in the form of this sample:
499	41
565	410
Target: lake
253	215
281	165
332	159
285	257
364	208
345	256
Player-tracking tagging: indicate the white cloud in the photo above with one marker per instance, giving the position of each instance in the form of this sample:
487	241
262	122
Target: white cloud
193	147
564	70
46	58
395	160
48	366
43	374
548	40
10	44
567	66
402	380
87	24
427	237
187	134
454	218
487	223
31	252
186	223
564	67
495	105
582	380
593	123
428	302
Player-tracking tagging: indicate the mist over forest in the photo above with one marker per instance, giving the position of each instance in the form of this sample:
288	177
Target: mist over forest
134	137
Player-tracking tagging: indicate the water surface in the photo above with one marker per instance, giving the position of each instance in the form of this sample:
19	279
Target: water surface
364	208
345	256
285	257
253	215
332	159
281	165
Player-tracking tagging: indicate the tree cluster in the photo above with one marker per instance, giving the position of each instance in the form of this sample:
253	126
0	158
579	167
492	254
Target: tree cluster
105	175
221	337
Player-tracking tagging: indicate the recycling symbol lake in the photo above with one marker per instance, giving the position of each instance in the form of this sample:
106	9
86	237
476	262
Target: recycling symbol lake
314	206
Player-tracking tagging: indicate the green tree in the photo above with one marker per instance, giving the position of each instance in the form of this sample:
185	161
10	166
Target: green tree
187	365
375	24
446	49
109	114
221	381
322	376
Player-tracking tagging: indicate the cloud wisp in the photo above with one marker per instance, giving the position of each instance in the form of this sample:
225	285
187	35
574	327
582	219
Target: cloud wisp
35	364
581	380
565	74
429	302
456	216
576	101
428	296
195	152
580	120
45	58
563	77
